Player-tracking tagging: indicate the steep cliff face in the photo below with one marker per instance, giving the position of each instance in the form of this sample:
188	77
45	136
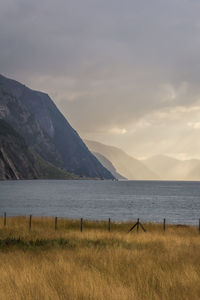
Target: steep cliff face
17	161
46	130
19	117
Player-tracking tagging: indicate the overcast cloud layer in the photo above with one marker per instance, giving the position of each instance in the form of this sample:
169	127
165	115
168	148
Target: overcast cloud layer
125	73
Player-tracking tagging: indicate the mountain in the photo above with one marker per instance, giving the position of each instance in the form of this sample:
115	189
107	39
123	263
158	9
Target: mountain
17	161
124	164
169	168
108	165
34	115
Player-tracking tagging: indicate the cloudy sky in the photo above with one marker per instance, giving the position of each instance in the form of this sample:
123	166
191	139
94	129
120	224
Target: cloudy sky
125	73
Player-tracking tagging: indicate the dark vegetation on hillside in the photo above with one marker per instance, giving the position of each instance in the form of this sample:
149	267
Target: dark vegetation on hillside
17	161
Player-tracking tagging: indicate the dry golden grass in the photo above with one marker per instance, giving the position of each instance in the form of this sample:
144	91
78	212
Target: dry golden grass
96	264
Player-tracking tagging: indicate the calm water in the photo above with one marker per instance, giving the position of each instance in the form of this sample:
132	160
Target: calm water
178	202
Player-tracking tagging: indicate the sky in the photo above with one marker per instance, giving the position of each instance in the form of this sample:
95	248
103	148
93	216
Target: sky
124	73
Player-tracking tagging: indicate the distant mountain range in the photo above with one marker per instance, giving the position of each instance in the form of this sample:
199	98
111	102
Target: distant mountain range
159	167
36	119
36	141
125	165
169	168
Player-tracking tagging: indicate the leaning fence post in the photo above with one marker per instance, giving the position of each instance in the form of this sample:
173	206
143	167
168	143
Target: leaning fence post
81	225
30	222
138	222
56	222
4	220
109	225
164	224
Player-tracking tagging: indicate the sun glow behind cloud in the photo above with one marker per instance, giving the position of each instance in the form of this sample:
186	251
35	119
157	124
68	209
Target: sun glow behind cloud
118	130
195	125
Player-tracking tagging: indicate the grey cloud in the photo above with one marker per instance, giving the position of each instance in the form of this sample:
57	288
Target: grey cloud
107	64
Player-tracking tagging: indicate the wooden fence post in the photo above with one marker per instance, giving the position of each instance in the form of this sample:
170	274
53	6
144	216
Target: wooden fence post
138	222
81	225
30	222
109	225
56	223
199	226
4	220
164	225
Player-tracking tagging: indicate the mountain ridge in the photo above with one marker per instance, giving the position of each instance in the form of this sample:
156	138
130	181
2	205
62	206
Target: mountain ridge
124	164
46	130
108	165
170	168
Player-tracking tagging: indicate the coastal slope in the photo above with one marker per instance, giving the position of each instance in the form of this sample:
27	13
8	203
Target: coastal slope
124	164
108	165
35	116
18	161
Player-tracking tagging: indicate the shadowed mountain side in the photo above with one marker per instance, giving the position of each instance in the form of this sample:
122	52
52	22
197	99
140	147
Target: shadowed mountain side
46	130
17	161
108	165
25	123
169	168
124	164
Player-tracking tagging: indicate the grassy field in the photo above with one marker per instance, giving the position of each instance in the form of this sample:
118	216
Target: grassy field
97	264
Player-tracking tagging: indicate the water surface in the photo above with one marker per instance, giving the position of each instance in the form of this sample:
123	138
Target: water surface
178	202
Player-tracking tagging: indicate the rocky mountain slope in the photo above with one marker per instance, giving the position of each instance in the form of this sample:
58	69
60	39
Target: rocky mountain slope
108	165
34	115
124	164
17	161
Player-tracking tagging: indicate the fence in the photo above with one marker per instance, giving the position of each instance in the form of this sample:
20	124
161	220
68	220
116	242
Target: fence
137	225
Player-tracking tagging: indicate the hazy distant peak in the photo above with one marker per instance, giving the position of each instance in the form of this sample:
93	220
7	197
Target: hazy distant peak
98	144
169	168
108	165
124	164
162	157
